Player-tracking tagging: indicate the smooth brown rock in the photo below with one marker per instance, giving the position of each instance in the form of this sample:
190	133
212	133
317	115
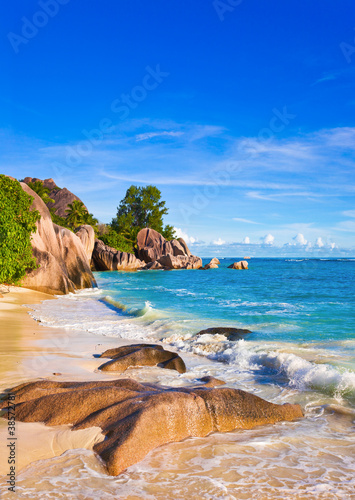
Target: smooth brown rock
242	264
231	333
106	258
62	197
141	355
86	234
213	264
180	262
63	263
211	381
136	418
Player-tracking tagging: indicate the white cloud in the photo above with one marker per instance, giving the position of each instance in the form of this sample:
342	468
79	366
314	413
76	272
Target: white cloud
349	213
300	239
268	239
248	221
150	135
190	240
319	243
246	240
219	242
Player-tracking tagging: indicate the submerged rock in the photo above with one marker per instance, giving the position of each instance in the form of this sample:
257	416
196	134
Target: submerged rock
141	355
136	418
230	333
242	264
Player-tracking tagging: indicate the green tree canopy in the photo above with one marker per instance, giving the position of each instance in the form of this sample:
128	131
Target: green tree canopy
141	207
17	222
42	191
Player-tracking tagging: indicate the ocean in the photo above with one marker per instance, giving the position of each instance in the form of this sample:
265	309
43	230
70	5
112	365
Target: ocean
301	313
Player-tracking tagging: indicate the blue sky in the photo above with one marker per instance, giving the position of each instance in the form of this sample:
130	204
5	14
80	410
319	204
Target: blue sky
242	114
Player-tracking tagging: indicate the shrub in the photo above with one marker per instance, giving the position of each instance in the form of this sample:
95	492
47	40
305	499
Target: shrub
17	222
117	241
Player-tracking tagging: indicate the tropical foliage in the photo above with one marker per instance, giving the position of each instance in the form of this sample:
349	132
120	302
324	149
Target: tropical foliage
17	222
117	241
42	191
141	207
77	215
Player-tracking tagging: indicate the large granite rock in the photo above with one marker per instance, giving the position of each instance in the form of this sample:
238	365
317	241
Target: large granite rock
136	418
242	264
63	263
229	333
151	245
141	355
86	234
180	262
62	197
105	258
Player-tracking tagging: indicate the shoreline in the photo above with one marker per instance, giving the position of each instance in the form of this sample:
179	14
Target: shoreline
32	351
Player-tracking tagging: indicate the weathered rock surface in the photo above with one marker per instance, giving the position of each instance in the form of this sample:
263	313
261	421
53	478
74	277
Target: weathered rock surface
64	266
174	254
106	258
213	264
86	234
136	418
141	355
230	333
180	262
242	264
62	197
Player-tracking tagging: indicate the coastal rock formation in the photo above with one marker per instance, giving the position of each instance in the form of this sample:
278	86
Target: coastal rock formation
63	263
105	258
180	262
136	418
242	264
141	355
62	197
213	264
86	234
231	333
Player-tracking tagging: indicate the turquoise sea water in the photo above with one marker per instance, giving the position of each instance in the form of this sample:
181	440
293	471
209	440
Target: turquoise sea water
301	350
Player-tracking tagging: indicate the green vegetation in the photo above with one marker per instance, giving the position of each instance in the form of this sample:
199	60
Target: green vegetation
42	191
141	207
78	215
117	241
17	222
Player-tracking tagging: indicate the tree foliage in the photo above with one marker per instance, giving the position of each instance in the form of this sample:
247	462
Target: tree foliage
117	241
42	191
141	207
17	222
78	215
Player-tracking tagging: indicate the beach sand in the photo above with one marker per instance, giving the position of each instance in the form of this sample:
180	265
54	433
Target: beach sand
30	351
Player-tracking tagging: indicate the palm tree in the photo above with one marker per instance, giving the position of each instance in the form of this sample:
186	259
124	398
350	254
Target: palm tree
77	214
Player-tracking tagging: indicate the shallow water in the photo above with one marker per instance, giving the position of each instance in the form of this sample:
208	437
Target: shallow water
302	349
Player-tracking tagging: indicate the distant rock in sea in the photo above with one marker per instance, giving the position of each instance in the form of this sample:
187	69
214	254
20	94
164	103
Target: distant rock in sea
242	264
213	264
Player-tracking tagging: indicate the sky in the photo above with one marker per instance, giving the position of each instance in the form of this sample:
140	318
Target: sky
241	112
